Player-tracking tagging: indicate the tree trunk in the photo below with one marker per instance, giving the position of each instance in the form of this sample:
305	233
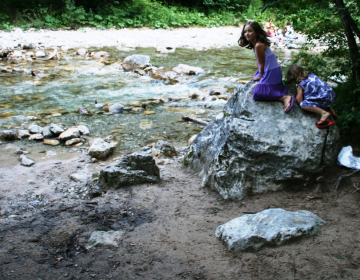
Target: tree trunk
347	23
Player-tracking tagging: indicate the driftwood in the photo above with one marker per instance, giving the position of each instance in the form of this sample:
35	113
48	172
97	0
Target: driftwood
198	121
343	176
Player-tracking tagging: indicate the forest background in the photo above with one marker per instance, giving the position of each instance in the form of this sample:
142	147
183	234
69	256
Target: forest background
333	23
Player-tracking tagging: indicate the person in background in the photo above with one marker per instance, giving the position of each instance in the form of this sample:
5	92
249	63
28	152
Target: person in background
271	29
313	94
290	33
269	75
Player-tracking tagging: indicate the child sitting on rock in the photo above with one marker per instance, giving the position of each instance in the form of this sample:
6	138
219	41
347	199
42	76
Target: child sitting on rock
313	94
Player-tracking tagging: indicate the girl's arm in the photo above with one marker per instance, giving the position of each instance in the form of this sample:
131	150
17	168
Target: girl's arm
260	49
299	96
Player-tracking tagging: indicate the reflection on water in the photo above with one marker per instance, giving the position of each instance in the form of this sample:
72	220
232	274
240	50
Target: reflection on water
62	87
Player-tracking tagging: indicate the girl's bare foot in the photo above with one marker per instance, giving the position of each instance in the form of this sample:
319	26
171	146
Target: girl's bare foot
287	102
324	115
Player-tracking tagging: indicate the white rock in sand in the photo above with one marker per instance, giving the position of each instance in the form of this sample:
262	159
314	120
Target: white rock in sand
100	54
72	132
100	149
104	239
84	130
24	160
82	52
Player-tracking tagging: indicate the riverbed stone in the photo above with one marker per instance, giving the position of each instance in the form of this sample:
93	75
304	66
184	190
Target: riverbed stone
107	239
25	161
83	129
47	132
35	129
270	227
136	168
72	132
40	54
51	142
82	52
79	177
136	61
163	149
100	54
116	108
56	129
254	147
7	134
100	149
72	141
188	70
23	134
36	136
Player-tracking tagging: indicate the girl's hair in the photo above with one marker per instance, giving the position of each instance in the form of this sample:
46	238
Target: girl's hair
261	35
296	74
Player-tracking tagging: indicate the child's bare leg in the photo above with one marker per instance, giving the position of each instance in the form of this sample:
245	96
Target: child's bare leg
323	113
286	100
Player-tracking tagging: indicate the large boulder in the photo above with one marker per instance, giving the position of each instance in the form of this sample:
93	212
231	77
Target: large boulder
136	168
254	147
136	61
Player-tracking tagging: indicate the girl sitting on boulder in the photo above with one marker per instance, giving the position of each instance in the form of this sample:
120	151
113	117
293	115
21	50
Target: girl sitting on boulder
269	74
313	94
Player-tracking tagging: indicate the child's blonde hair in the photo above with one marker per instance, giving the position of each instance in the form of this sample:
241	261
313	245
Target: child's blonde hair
296	74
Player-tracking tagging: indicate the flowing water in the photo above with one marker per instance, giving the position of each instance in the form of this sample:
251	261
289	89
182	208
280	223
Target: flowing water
65	85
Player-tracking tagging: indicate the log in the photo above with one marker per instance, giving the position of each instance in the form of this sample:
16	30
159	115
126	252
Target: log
198	121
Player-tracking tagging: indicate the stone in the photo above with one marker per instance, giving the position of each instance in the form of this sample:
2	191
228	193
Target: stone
163	149
254	147
47	132
108	239
35	129
51	142
270	227
116	108
84	130
100	149
136	61
188	70
40	54
100	54
191	139
82	52
72	141
56	129
79	177
136	168
25	161
7	135
218	91
36	136
72	132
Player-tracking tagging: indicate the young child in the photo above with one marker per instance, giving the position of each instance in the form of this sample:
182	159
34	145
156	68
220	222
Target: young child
269	74
313	94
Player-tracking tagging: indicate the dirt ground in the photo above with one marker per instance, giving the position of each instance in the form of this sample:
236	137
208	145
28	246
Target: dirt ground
168	227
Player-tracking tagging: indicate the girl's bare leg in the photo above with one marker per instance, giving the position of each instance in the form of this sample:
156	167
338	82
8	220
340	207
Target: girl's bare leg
286	100
323	113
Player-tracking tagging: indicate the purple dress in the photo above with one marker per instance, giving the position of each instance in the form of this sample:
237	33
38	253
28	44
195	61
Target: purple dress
316	93
270	87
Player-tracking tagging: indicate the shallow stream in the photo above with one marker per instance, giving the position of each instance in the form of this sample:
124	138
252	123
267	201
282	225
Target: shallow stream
67	84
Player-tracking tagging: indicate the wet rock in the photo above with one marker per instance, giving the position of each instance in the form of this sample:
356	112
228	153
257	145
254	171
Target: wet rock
188	70
116	108
25	161
84	130
140	72
165	98
170	77
17	54
36	136
29	46
72	141
191	139
35	129
7	135
136	61
269	227
72	132
21	151
252	147
79	177
100	54
100	149
56	129
218	91
51	142
108	239
165	50
136	168
82	52
163	149
47	132
40	54
84	111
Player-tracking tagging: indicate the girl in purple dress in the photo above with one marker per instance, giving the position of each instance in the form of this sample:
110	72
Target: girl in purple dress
269	74
313	94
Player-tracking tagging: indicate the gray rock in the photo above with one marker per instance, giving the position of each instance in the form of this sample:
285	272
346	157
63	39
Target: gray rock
100	149
100	54
56	129
35	129
7	134
47	132
72	132
36	136
79	177
163	149
188	70
72	141
254	147
40	54
269	227
82	52
84	130
104	239
116	108
24	160
136	61
136	168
